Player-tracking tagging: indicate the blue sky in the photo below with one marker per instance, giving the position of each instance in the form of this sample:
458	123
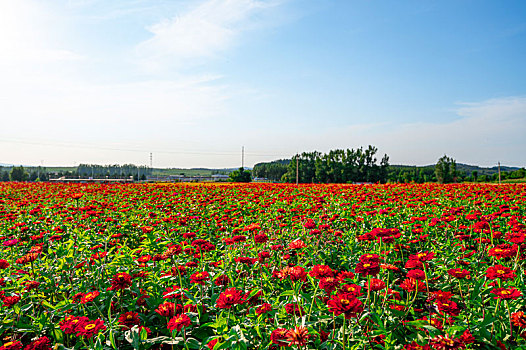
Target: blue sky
94	81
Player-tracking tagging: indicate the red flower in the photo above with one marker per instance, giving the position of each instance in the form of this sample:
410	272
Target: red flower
30	285
70	323
297	244
10	301
263	309
441	342
3	264
28	258
86	298
199	277
415	346
279	337
414	263
344	275
499	271
173	292
370	258
309	224
417	274
90	328
212	343
345	303
42	343
352	289
261	238
440	295
329	284
320	271
129	319
503	251
229	298
297	273
120	281
422	256
294	309
246	260
459	273
178	322
449	307
467	337
77	195
377	284
367	268
168	309
222	280
324	336
410	285
506	294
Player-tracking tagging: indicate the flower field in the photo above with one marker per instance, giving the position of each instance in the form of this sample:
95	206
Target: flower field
262	266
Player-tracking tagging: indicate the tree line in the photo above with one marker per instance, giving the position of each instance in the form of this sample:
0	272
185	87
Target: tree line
336	166
116	171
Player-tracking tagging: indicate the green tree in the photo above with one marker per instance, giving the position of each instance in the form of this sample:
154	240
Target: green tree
446	170
240	175
4	176
18	173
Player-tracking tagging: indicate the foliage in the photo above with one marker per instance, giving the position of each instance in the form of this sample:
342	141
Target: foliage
338	166
446	170
240	175
113	171
18	173
273	171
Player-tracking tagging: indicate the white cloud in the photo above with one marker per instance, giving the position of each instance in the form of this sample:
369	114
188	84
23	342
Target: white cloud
202	32
484	133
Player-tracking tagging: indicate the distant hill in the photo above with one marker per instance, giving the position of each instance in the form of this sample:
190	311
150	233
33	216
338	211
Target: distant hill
484	171
468	169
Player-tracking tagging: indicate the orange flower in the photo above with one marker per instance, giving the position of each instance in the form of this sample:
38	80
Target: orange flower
298	336
519	319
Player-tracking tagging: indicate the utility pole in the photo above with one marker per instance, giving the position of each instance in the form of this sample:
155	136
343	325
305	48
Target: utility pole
499	173
243	157
151	160
297	169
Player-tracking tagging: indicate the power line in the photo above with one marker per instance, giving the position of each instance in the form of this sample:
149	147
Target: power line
107	148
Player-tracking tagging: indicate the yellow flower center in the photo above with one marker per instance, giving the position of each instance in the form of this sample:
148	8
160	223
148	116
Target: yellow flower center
500	271
89	327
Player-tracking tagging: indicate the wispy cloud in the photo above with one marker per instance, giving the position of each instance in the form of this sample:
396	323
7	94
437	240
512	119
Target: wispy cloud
202	32
483	133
